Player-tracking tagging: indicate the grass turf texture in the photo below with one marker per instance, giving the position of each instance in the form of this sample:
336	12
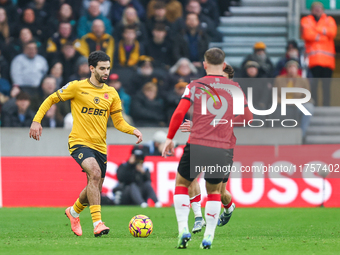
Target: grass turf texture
250	231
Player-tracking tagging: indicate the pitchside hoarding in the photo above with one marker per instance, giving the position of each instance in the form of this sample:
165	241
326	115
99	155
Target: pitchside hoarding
292	179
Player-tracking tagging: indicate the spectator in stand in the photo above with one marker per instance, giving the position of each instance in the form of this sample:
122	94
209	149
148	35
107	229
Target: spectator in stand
96	40
11	10
293	80
210	9
47	87
105	6
160	47
82	70
20	115
63	35
56	71
28	20
28	69
15	46
260	56
126	99
147	109
130	18
52	118
128	50
172	99
159	17
43	14
155	146
4	27
319	31
174	9
192	42
65	14
9	105
183	70
68	57
207	24
256	80
93	13
4	66
118	7
146	73
135	182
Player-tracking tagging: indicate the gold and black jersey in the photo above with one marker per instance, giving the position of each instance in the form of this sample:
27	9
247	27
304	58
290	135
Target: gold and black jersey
91	107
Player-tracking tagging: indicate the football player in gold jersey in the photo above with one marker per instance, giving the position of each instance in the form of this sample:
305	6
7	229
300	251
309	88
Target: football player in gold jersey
92	102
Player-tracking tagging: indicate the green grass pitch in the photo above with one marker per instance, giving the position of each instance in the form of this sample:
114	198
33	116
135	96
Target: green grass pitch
250	231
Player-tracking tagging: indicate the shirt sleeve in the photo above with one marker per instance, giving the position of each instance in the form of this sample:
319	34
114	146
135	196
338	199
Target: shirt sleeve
68	91
45	106
116	105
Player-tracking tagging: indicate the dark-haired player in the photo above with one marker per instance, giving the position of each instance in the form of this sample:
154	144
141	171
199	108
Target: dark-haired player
212	144
92	102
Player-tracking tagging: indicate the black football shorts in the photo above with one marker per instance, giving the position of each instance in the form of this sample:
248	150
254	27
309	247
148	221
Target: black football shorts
82	152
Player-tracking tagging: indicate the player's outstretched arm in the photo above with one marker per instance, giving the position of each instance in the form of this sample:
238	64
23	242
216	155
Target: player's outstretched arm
35	130
139	135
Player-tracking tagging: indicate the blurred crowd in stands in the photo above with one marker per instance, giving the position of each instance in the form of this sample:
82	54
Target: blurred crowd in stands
156	48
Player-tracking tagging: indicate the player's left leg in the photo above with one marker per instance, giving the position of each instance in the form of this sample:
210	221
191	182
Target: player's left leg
212	210
228	205
182	209
195	200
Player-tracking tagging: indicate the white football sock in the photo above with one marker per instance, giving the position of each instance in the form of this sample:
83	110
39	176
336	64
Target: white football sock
212	212
74	213
196	208
182	209
96	223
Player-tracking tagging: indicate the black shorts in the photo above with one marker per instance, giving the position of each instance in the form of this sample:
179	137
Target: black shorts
82	152
204	155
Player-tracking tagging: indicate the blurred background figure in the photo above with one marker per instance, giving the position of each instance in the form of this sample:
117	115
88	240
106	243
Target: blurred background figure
172	99
135	182
183	70
104	7
20	115
97	39
293	80
160	47
260	56
319	31
174	9
259	83
147	108
128	49
159	17
156	145
192	42
130	18
119	6
93	13
147	73
126	99
28	68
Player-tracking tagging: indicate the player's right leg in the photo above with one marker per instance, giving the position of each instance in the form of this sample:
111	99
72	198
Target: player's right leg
228	205
93	188
195	200
73	212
